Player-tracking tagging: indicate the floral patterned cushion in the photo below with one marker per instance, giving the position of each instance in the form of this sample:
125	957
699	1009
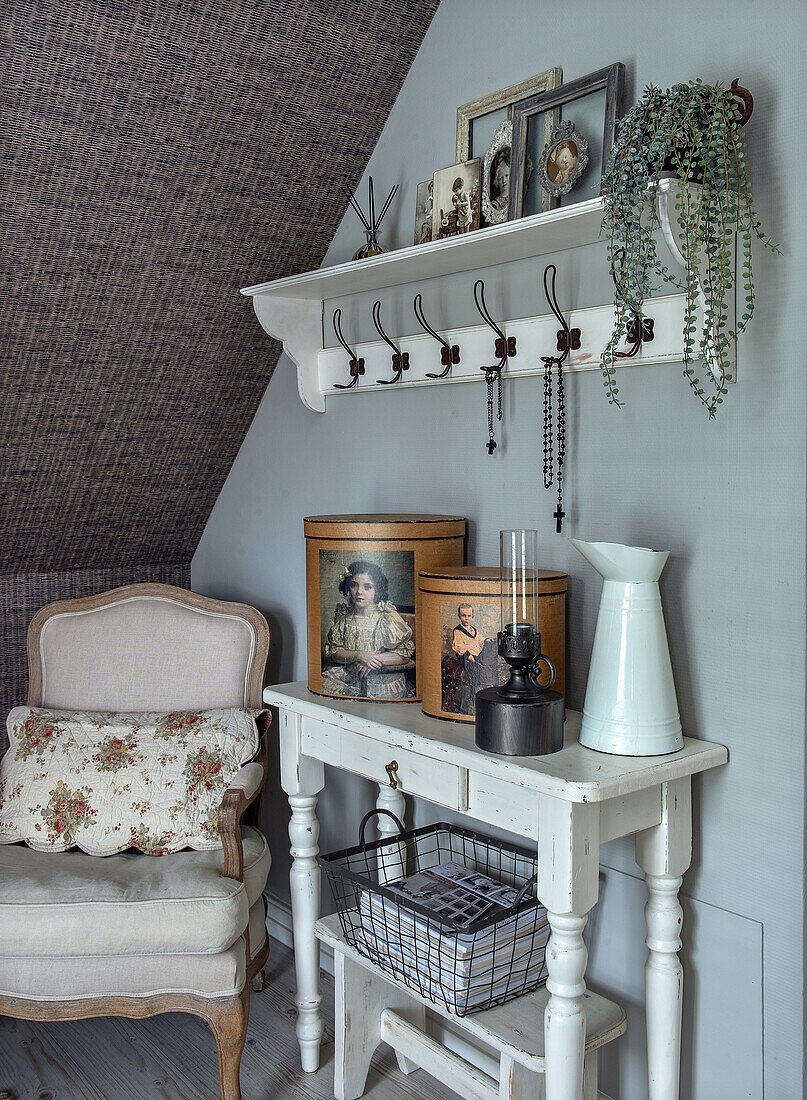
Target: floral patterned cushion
105	782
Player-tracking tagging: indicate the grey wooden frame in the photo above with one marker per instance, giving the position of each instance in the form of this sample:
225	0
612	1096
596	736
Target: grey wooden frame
227	1016
612	79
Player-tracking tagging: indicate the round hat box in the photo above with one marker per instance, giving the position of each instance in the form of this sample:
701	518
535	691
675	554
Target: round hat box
460	618
363	601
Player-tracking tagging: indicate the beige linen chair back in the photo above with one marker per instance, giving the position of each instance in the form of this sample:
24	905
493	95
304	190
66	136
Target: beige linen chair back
146	647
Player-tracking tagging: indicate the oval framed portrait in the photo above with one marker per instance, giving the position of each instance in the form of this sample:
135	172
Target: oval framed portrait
563	160
496	176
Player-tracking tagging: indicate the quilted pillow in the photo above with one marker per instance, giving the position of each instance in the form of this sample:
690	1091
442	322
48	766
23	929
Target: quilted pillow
106	782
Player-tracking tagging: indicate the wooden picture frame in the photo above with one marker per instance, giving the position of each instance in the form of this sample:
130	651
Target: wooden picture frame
610	79
506	98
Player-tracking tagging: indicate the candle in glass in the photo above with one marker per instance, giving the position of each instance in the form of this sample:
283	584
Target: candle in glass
518	551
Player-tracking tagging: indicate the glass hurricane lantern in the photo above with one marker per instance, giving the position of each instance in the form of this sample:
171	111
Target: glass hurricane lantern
520	718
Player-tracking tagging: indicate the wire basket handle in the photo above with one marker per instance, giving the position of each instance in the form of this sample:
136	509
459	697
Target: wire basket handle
528	885
375	813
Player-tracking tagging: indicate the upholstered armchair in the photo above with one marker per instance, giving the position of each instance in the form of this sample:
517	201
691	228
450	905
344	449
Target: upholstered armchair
132	934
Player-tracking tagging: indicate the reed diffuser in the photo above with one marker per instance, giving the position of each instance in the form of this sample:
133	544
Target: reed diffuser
370	222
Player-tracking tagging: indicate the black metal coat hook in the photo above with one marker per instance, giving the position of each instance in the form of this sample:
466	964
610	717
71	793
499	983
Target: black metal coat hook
568	339
637	333
504	346
356	364
449	353
400	359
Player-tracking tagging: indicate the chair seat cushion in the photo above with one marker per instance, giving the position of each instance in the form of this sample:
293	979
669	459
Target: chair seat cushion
76	979
62	904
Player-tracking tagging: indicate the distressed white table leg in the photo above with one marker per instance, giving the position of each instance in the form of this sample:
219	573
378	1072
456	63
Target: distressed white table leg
568	884
390	863
565	1018
302	779
664	853
305	902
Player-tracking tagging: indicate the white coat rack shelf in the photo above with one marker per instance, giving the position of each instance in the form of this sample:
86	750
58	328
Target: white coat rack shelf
293	309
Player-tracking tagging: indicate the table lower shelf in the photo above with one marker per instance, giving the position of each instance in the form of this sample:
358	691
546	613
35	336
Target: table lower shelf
514	1028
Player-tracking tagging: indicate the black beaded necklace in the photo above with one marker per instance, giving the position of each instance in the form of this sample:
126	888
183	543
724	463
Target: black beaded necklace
554	473
554	458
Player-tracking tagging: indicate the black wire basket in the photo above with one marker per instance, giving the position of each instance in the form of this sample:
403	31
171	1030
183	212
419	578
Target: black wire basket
468	935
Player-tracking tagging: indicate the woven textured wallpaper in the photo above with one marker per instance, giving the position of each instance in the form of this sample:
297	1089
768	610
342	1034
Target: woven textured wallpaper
155	157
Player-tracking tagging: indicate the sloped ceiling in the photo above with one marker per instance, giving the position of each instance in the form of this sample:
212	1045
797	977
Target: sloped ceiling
156	156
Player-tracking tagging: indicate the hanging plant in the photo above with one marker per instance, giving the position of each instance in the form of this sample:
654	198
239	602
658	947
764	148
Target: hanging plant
691	132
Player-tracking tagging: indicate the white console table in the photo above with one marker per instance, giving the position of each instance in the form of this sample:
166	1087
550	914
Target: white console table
568	803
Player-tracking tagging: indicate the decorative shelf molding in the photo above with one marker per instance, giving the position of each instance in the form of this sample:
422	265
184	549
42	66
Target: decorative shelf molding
292	309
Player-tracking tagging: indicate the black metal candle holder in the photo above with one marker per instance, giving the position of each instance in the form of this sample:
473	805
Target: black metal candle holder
520	718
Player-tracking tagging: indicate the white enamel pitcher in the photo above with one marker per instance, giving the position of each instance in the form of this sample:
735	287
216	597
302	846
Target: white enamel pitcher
630	706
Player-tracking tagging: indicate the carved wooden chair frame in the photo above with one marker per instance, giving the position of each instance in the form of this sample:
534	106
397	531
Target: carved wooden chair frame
227	1016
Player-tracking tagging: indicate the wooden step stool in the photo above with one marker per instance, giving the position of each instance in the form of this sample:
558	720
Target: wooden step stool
373	1008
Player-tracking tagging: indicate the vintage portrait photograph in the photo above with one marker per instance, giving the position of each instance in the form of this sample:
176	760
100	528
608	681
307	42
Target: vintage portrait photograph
470	656
496	176
456	199
367	607
424	204
563	160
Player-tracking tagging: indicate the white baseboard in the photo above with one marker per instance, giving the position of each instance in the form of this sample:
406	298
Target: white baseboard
279	927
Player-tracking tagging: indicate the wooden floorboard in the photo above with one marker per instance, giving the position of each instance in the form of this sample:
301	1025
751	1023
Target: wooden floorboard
173	1057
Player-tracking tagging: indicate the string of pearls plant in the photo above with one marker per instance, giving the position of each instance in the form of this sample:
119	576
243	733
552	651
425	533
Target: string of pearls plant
694	132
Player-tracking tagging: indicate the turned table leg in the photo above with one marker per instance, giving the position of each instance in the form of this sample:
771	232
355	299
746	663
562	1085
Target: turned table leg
302	779
568	885
390	862
664	985
664	853
565	1017
304	879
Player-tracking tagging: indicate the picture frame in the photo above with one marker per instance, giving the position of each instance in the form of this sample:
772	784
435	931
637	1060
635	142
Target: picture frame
423	212
563	160
457	199
610	79
495	101
496	176
504	99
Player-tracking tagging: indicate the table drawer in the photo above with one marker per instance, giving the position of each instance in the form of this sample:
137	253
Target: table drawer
506	805
423	776
436	780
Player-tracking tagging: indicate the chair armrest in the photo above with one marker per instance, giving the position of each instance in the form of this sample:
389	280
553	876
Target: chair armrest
249	780
244	789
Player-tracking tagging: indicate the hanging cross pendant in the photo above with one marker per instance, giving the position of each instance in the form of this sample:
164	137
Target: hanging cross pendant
559	514
489	379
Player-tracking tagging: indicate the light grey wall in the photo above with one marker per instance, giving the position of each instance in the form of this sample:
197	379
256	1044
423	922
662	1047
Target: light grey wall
726	497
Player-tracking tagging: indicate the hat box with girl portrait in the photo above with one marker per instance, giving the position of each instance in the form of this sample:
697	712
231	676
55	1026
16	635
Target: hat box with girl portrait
457	199
460	620
362	600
